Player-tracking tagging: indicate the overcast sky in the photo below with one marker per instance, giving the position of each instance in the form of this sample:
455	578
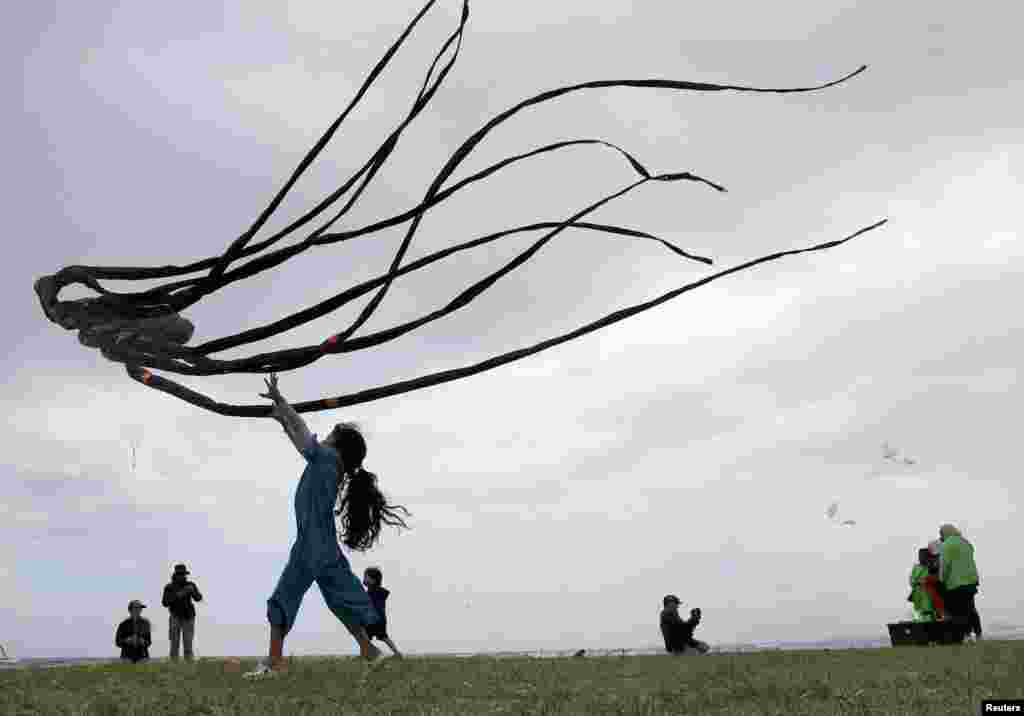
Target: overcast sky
693	449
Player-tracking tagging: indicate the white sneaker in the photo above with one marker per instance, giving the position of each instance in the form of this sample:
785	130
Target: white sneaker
262	670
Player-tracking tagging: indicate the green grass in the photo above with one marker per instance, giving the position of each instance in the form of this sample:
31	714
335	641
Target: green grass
908	680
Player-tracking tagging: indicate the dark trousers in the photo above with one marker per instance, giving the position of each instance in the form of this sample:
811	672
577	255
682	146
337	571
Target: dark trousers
181	630
965	617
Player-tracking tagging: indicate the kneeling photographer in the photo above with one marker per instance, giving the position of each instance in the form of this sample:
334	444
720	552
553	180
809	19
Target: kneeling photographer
678	633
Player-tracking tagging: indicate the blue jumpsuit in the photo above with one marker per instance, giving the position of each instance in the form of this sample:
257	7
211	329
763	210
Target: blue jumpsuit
316	554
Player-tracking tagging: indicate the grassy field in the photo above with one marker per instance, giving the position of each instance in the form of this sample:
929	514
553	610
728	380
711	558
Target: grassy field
909	680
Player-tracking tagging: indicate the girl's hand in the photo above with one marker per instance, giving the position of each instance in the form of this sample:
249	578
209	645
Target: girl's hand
273	393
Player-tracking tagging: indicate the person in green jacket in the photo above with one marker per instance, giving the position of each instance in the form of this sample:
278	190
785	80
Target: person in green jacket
924	608
959	575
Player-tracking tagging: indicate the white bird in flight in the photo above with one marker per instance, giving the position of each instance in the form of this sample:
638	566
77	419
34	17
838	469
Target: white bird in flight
833	514
893	455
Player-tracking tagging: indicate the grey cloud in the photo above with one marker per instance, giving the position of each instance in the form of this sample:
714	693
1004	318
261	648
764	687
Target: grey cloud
543	491
41	486
58	532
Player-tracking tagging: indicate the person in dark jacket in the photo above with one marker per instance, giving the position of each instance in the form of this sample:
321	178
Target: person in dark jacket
178	598
134	634
677	632
372	580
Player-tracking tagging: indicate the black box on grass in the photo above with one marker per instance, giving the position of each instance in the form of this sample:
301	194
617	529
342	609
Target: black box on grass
921	633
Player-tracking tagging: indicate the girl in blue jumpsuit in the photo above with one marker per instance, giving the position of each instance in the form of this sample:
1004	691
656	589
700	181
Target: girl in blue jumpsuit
334	469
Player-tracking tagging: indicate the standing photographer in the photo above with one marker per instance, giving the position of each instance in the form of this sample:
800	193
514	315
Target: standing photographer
678	633
178	598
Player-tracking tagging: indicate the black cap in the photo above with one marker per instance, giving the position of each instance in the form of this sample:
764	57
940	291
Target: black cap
136	603
669	598
181	569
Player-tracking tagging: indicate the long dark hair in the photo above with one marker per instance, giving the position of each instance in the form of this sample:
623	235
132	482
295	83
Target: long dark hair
361	505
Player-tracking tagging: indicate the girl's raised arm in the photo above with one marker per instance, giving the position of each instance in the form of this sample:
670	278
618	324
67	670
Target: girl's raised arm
293	424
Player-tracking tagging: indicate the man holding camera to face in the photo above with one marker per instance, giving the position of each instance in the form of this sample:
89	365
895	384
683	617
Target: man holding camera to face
678	633
179	596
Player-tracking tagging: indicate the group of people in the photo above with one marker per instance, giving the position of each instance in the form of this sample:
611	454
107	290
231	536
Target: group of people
335	490
944	582
335	484
134	635
338	501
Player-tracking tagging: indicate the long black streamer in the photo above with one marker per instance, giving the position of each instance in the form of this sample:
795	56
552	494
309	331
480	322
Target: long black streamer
145	329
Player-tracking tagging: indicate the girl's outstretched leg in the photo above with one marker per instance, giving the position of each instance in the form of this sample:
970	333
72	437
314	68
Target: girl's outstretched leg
277	662
282	607
346	597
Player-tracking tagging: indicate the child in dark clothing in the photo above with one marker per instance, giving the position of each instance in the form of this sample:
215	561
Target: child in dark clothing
372	579
134	634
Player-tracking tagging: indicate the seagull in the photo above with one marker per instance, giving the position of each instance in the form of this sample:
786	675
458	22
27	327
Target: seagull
888	452
833	514
890	456
893	455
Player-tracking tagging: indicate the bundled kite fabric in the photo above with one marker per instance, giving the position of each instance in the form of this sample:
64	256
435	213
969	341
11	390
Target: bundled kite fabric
145	330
